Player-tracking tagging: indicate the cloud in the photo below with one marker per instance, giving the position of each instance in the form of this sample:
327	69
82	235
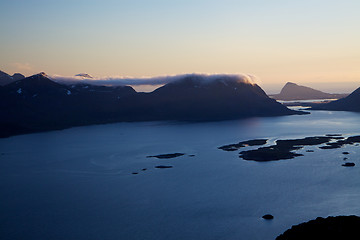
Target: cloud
22	66
154	81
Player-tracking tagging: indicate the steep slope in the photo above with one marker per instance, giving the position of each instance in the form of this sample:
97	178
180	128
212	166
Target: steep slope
292	91
349	103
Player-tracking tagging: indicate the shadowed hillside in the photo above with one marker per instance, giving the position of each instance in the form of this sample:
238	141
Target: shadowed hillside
349	103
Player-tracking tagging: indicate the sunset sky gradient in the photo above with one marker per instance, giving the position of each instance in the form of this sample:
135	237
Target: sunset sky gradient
278	41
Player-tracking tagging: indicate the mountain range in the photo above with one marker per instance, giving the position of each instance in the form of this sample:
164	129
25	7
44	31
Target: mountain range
292	91
37	103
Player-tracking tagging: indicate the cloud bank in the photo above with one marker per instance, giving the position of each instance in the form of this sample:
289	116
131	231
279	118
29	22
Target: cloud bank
152	81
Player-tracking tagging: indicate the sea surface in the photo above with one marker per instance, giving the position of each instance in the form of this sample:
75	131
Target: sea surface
79	184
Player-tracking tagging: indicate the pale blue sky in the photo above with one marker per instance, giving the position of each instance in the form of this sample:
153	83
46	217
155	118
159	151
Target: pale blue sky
278	41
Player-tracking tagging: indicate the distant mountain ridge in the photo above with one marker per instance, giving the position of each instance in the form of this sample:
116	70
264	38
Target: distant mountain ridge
37	103
292	91
6	78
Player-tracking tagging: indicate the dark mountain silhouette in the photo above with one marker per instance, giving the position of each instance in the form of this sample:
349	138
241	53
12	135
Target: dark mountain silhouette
292	91
349	103
37	103
6	78
195	99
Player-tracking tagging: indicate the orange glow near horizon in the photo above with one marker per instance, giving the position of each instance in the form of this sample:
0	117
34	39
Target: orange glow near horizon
278	42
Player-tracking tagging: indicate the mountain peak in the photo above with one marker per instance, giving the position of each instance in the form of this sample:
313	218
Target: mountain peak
293	91
43	74
218	80
209	87
38	79
17	76
290	84
83	75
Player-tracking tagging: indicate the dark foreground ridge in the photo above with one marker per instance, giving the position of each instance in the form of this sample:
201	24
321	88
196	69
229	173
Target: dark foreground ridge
340	227
284	149
37	103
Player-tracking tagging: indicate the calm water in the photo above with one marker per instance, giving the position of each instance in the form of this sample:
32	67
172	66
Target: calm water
78	183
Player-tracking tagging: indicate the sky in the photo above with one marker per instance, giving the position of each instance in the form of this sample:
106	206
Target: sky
307	41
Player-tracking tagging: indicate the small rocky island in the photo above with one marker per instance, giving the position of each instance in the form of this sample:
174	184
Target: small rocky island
163	166
348	164
167	156
285	149
268	217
